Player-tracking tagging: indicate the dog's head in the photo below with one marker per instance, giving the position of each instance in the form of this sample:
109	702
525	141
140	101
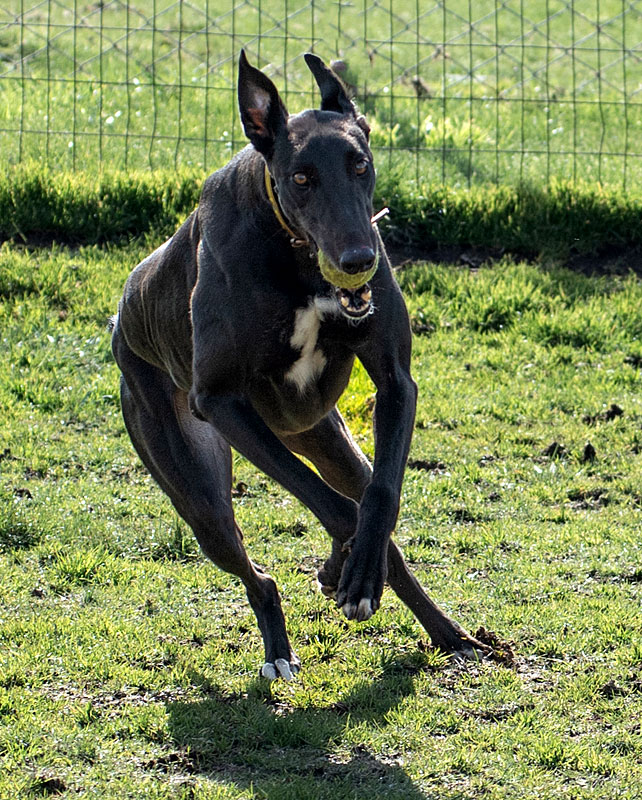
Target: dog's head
322	172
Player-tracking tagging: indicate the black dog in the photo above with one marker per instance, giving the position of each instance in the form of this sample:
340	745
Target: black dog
242	330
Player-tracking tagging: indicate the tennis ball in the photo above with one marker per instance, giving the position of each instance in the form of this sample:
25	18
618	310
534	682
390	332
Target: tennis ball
343	279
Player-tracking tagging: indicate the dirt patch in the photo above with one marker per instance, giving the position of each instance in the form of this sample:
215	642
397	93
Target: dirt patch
47	786
555	450
612	260
426	466
612	412
462	255
589	454
586	499
503	652
177	761
609	260
611	689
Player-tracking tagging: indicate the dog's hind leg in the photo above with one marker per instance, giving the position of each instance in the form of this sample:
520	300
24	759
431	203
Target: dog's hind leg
192	464
331	448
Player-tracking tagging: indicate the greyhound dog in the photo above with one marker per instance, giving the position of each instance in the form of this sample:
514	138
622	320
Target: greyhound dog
241	332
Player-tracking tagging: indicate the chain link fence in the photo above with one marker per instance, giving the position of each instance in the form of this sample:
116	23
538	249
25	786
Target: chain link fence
456	92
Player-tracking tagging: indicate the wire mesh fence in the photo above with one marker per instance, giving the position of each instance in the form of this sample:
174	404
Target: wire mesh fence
456	91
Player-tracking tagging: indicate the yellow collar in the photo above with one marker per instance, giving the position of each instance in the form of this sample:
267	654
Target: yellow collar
295	241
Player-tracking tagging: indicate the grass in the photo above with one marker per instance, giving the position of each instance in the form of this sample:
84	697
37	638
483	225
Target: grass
510	93
128	664
77	208
562	221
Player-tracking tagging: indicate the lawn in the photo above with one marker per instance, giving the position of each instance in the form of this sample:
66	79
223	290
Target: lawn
128	665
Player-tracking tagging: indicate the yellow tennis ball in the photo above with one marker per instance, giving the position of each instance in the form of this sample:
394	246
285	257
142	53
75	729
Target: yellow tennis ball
342	279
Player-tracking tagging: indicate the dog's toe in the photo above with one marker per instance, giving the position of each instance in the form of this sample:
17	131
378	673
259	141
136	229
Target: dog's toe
281	668
361	611
268	671
365	609
328	591
349	610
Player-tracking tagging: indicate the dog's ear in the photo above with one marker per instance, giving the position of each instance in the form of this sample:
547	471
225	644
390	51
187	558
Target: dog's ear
362	122
333	94
263	113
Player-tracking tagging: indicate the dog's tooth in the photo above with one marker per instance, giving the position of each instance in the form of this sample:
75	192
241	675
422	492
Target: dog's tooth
344	301
367	295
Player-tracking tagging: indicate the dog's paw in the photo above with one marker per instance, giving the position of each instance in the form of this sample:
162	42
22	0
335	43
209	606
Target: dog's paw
328	580
281	668
360	588
330	574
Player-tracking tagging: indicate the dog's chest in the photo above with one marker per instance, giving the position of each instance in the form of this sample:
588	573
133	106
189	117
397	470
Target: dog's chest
311	360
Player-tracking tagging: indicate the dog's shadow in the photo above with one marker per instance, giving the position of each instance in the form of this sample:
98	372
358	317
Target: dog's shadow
255	742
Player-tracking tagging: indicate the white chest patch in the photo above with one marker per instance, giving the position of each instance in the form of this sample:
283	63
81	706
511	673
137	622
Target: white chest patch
311	361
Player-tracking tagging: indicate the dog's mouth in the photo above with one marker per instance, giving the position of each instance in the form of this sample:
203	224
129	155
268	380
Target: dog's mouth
352	290
355	303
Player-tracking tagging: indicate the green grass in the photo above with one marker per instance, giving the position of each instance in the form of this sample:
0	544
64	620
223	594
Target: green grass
128	663
560	222
524	93
80	209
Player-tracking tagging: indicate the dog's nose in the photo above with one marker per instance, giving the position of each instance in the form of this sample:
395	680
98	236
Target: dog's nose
359	259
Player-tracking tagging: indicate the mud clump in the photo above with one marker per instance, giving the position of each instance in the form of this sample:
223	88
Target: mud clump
502	652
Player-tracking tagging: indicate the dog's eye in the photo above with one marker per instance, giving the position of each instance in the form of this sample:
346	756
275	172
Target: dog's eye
301	179
361	167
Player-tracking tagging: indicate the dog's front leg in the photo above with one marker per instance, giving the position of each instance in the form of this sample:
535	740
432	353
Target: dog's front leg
364	572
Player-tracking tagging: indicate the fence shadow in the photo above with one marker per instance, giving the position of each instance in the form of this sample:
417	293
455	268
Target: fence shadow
283	752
